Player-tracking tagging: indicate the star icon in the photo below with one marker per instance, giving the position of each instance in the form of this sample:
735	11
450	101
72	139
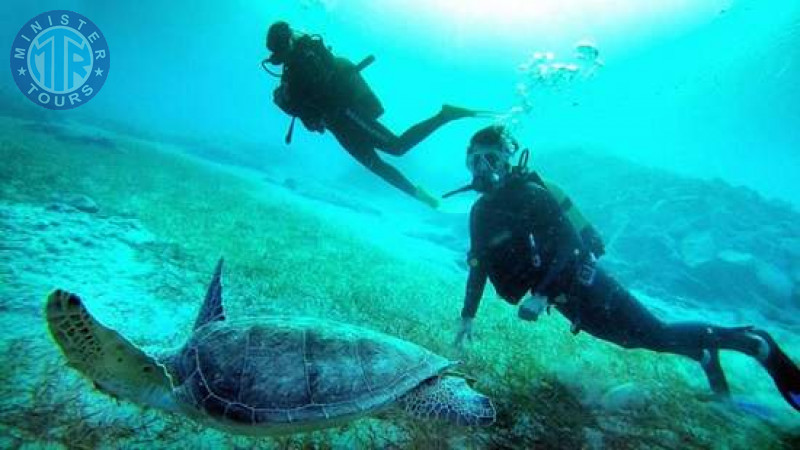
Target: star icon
98	72
22	71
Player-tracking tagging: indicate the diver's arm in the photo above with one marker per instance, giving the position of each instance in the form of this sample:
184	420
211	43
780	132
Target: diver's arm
476	283
477	272
472	299
589	235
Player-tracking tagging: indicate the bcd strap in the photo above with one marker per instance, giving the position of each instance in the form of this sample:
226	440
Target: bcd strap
522	163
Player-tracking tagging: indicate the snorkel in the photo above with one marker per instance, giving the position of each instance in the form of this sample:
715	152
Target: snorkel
460	190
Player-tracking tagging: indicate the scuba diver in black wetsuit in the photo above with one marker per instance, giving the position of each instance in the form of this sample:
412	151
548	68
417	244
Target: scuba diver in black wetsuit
327	92
525	238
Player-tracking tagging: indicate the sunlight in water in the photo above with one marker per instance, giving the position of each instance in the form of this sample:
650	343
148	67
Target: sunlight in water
555	14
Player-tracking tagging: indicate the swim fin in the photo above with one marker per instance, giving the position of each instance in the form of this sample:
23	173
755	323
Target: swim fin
425	197
451	112
783	371
714	373
486	114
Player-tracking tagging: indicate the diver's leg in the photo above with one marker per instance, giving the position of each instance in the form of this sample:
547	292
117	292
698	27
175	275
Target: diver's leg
370	159
760	345
607	310
384	139
367	156
419	132
352	135
389	173
395	145
685	338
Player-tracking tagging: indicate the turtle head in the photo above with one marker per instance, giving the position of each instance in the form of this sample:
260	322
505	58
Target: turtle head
451	398
115	366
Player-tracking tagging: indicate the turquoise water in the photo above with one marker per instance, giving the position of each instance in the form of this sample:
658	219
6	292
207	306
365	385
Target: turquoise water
680	142
708	90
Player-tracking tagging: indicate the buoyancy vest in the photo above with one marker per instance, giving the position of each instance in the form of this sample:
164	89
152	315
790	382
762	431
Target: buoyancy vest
315	83
521	237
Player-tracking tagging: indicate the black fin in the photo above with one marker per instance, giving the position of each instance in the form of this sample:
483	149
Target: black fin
783	371
212	309
716	376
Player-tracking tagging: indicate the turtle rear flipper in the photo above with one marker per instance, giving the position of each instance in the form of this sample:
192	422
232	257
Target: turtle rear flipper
111	362
449	398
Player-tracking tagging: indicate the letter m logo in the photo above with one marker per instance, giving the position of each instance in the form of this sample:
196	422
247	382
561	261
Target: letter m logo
19	53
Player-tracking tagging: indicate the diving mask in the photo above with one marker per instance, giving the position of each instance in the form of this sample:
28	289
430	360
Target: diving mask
488	165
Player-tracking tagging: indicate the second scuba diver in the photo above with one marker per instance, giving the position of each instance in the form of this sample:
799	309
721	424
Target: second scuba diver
527	238
327	92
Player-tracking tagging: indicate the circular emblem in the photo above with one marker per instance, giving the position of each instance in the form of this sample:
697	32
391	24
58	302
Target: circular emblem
60	59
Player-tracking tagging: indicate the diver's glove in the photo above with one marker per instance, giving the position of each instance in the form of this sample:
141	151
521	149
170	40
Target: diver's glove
531	308
592	239
464	331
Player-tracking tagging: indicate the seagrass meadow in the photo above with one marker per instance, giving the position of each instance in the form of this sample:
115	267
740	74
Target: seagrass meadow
673	126
135	260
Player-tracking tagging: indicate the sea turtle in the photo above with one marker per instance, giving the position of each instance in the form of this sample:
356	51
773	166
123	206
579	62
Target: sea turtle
268	375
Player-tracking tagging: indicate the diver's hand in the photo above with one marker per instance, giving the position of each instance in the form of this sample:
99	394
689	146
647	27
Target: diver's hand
464	331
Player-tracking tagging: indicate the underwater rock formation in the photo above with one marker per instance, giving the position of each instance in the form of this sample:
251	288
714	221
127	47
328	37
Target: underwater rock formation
74	201
685	239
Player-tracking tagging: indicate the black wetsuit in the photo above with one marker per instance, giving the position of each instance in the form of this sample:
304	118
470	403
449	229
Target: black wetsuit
361	136
522	242
327	92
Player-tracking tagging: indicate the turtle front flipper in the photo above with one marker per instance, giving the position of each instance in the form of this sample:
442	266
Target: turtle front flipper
449	398
212	309
113	363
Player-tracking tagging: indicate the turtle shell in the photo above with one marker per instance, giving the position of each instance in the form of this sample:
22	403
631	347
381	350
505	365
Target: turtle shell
296	373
